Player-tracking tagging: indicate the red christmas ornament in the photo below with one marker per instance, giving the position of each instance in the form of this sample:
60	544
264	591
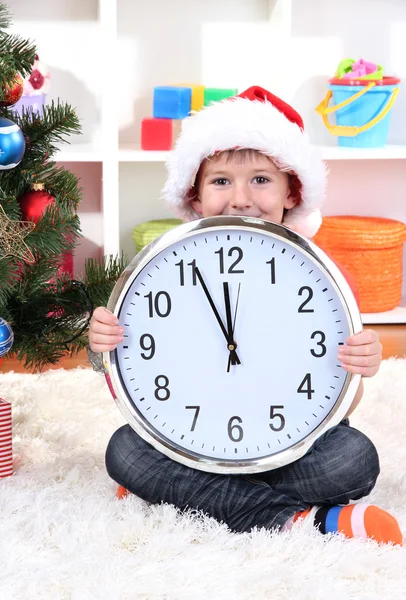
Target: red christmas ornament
34	203
13	92
36	79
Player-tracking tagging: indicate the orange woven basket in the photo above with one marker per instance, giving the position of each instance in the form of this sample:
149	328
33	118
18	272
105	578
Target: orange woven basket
371	248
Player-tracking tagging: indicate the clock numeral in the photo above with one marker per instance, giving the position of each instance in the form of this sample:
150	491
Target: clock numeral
197	410
302	308
182	271
231	269
162	392
235	432
323	348
278	415
150	347
159	307
306	386
272	263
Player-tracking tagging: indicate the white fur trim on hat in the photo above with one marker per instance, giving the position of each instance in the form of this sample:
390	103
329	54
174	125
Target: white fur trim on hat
243	123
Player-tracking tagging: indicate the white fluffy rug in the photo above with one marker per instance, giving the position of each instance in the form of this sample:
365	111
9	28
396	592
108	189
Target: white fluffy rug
65	536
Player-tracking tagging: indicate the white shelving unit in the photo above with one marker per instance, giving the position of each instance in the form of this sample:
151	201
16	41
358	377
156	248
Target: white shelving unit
105	57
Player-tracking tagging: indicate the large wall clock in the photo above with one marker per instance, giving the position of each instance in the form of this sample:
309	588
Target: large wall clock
232	328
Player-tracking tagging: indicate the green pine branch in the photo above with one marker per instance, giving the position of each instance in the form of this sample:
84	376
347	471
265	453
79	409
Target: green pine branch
5	19
48	312
16	55
43	133
50	320
101	276
7	283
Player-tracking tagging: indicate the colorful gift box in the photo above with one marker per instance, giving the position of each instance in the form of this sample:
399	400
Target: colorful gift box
6	449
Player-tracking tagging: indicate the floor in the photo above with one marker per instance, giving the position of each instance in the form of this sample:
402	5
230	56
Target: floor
393	338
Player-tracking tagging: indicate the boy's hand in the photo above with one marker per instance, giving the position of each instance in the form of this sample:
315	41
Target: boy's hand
362	353
104	333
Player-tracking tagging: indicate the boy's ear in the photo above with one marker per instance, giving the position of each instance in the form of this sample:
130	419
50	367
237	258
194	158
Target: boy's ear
291	200
193	199
294	192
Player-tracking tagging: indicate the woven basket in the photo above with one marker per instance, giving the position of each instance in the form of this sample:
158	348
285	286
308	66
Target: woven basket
147	232
371	248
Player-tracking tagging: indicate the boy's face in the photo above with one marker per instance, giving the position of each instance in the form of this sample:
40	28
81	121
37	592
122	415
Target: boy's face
242	184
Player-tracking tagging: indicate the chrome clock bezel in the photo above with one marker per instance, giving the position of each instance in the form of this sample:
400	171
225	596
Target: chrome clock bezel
175	451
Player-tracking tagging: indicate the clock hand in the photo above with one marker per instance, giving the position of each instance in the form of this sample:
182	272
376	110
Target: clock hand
236	305
233	358
214	309
235	317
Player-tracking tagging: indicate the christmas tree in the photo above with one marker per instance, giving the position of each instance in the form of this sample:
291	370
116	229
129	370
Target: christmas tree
41	305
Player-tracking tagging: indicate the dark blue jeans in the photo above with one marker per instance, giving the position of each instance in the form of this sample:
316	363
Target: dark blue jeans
342	465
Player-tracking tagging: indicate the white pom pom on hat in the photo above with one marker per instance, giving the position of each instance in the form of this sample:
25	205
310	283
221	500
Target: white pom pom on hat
258	120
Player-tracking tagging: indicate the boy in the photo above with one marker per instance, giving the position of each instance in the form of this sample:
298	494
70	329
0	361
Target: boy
249	156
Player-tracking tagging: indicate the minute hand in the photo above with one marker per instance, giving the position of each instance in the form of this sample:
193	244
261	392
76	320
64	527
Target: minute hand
233	358
214	309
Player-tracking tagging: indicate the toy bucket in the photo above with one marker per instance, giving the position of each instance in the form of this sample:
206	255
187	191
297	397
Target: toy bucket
362	110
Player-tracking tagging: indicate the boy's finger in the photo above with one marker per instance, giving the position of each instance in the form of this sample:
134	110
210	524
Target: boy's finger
363	361
103	347
368	336
98	327
99	338
364	350
363	371
103	315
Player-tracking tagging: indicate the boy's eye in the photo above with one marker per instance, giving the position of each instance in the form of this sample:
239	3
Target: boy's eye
260	179
221	181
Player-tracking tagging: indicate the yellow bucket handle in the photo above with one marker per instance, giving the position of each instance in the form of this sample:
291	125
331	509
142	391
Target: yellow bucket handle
352	130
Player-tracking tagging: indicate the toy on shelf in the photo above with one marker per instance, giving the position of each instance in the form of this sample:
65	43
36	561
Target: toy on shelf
6	448
358	69
197	101
36	87
217	94
156	134
171	104
363	97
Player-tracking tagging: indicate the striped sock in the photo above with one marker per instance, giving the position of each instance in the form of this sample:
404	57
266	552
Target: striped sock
356	520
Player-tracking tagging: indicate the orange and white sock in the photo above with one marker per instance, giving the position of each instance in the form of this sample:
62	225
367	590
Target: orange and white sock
122	492
356	520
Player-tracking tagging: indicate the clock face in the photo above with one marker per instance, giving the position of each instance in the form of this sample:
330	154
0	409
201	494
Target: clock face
229	360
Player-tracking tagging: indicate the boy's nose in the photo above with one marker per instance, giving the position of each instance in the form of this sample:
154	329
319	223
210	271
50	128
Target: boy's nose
240	198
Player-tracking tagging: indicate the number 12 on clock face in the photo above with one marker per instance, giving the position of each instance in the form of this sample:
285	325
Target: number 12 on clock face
229	361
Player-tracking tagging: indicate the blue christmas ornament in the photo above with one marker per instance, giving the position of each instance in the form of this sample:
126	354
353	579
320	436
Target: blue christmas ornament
6	336
12	144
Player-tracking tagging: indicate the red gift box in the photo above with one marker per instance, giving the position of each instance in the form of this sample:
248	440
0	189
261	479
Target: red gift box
6	449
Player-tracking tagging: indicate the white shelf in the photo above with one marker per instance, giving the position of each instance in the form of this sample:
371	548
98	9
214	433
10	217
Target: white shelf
397	315
342	153
122	183
133	153
79	153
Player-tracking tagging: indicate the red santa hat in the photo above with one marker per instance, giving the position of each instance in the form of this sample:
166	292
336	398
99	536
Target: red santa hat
258	120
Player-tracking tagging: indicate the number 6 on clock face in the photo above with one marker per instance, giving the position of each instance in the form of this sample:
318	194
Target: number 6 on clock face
229	360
